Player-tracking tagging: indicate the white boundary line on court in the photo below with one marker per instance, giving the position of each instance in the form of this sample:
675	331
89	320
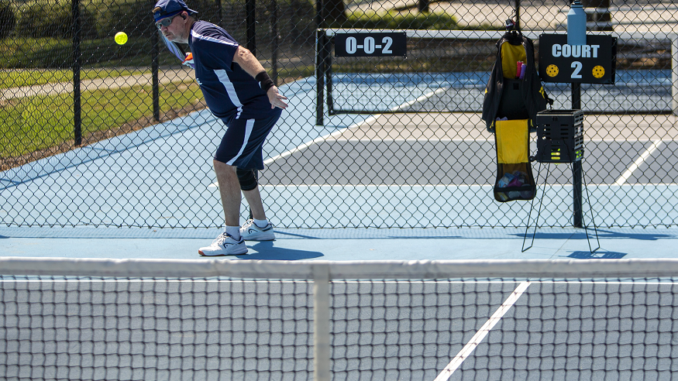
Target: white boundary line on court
625	176
341	131
482	332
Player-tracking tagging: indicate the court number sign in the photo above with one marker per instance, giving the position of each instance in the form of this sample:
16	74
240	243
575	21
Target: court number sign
370	44
594	62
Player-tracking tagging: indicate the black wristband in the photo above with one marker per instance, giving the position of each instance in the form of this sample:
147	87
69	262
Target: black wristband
264	81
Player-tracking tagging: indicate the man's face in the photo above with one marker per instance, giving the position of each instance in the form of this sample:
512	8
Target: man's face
176	29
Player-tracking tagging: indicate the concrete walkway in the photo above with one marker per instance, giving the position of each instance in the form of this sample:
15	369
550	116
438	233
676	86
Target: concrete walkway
165	77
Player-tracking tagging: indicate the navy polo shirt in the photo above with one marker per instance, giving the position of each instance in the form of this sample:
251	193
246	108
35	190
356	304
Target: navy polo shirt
229	91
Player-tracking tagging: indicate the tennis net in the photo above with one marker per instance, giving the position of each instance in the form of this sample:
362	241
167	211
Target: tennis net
314	320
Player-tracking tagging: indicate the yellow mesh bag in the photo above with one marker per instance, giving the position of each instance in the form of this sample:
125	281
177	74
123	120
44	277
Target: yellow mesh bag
512	140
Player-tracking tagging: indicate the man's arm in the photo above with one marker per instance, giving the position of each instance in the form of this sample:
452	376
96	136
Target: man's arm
251	65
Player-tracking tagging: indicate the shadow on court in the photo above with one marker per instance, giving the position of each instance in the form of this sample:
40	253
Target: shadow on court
596	255
607	234
267	251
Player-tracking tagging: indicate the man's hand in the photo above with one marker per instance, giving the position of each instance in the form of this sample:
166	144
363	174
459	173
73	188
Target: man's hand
276	98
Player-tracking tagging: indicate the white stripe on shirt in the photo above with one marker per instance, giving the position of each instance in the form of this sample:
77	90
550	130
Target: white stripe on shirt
230	90
195	34
248	131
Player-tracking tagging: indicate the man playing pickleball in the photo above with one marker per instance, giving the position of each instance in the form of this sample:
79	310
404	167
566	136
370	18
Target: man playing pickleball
240	93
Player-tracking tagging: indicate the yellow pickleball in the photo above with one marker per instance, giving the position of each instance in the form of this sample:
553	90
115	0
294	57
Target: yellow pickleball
552	70
598	71
121	38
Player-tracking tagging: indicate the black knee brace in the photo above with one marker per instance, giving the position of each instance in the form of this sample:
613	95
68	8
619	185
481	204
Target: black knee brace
247	178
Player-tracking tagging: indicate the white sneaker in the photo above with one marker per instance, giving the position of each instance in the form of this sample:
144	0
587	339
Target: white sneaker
251	232
224	245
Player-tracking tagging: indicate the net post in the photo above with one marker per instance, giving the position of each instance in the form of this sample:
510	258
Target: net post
321	322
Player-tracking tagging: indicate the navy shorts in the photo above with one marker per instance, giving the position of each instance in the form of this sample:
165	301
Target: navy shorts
242	142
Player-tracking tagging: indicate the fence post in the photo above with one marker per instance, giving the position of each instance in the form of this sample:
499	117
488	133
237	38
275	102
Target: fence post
576	168
517	15
274	43
250	7
319	64
220	14
155	52
77	109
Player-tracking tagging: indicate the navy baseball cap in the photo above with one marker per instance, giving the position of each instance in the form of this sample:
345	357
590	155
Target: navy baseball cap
169	8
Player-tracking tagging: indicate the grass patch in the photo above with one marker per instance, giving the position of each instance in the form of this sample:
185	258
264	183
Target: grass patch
35	123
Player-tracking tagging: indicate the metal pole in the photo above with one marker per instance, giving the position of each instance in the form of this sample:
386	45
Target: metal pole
77	109
576	167
275	46
327	62
518	15
319	64
320	77
250	6
155	52
220	17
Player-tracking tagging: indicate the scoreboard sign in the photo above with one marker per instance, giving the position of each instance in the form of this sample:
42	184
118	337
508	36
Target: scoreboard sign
370	44
594	62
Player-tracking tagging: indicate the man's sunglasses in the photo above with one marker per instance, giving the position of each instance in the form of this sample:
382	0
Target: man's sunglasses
165	22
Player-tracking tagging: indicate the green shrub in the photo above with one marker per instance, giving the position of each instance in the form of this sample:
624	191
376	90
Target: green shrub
397	20
133	17
7	19
54	19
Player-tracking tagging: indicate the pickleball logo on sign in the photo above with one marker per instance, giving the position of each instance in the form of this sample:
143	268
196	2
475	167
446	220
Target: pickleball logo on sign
593	62
552	70
598	71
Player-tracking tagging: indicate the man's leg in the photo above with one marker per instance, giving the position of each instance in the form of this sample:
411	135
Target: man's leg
229	189
253	198
257	228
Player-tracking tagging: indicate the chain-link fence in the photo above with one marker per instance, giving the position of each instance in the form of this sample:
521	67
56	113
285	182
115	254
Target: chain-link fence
94	133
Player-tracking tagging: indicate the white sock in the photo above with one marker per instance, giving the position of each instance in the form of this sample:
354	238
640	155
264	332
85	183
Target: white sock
233	231
260	223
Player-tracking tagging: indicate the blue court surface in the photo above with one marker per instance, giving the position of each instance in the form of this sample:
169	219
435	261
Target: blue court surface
343	244
323	242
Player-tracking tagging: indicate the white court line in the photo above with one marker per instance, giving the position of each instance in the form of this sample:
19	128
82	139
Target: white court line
625	176
339	132
480	335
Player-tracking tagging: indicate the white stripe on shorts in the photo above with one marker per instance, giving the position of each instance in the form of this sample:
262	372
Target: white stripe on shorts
248	131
